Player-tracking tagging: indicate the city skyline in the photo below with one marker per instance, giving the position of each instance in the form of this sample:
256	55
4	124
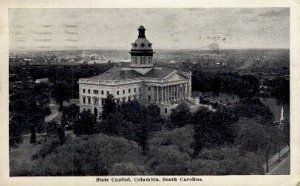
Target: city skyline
196	28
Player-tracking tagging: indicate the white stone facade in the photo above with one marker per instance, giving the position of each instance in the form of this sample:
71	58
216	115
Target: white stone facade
141	81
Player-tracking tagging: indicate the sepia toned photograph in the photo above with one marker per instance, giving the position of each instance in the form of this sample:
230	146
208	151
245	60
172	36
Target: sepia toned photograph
149	91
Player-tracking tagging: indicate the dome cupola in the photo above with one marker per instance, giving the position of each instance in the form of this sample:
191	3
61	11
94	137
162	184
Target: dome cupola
141	51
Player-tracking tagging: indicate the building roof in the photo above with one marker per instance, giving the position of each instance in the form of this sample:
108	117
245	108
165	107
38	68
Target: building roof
117	73
121	73
141	44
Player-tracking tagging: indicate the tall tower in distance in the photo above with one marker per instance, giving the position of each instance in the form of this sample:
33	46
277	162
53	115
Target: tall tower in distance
141	51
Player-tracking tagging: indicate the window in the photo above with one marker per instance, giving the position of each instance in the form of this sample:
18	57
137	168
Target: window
118	101
102	101
149	97
134	89
123	91
142	45
83	90
102	92
149	88
83	100
117	92
129	99
96	101
107	92
128	90
96	91
140	89
166	110
89	91
89	100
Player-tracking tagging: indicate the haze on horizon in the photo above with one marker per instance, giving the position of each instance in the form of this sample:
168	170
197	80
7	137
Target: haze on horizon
196	28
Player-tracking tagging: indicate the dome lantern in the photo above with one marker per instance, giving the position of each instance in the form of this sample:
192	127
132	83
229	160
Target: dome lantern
141	32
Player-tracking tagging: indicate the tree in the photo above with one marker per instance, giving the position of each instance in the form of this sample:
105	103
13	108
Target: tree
60	93
90	155
61	134
182	138
15	130
226	161
181	115
33	134
114	124
134	112
204	129
85	124
128	169
168	160
71	113
153	112
254	108
55	130
109	106
257	138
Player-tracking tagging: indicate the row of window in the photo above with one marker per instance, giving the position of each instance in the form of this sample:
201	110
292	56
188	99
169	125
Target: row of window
117	100
87	100
141	59
107	92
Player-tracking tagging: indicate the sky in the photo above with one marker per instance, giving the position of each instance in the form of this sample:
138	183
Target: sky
194	28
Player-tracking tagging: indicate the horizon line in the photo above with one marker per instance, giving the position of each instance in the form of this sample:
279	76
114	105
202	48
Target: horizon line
118	49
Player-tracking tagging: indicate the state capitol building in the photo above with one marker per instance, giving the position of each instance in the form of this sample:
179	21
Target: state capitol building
141	81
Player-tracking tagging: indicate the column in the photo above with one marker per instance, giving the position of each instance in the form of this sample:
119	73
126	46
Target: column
172	90
180	92
190	88
167	93
187	90
171	99
163	97
177	92
184	90
161	94
156	94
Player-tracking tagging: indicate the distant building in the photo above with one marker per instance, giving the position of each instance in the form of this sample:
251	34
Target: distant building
165	87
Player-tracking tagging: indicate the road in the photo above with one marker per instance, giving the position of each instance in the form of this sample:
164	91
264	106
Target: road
282	168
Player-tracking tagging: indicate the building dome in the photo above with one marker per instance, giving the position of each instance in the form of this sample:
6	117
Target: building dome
141	51
141	44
